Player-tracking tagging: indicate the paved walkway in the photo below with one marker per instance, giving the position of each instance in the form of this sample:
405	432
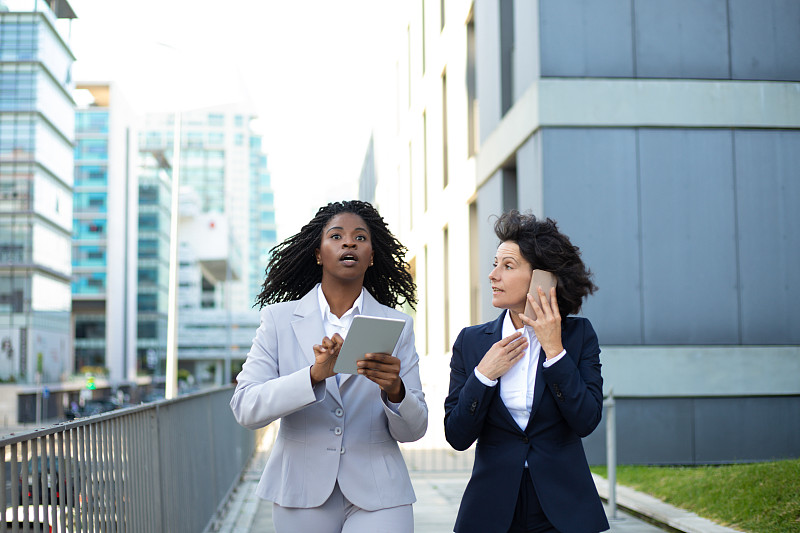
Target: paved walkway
439	494
440	474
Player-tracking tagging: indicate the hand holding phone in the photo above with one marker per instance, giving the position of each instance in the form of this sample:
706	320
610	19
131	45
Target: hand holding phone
540	278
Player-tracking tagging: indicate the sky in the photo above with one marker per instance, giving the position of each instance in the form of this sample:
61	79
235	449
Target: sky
319	74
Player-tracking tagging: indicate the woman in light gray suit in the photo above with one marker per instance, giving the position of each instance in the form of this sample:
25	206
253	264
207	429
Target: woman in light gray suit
336	466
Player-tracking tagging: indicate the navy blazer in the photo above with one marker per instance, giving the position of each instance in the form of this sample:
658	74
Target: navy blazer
567	405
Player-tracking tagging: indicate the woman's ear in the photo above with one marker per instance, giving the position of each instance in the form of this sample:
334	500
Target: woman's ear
316	255
372	258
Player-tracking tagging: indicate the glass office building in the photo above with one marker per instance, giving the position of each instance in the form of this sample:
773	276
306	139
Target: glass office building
36	180
224	170
263	234
223	162
104	234
155	183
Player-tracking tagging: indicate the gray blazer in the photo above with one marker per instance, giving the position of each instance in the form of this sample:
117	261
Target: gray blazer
328	432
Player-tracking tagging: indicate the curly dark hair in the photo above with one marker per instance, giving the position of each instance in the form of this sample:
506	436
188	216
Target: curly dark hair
293	270
546	248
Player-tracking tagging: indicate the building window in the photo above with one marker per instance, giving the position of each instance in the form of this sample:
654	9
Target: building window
146	302
147	330
472	98
148	194
148	248
90	327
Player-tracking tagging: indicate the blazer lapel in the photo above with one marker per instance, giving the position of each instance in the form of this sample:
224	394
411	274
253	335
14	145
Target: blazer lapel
538	387
308	331
494	333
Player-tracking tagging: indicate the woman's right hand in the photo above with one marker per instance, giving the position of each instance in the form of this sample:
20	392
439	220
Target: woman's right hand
325	355
503	355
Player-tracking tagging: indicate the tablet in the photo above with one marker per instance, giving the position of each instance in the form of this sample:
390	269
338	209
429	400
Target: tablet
367	334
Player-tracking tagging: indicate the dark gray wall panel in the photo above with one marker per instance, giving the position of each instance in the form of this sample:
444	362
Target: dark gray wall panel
487	61
765	39
700	430
649	428
590	190
586	38
768	198
688	237
681	39
732	430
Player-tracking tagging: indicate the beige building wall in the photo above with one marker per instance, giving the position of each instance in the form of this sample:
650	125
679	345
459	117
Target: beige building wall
426	186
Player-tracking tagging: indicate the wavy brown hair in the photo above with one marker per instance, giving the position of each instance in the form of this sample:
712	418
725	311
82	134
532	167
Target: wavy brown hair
292	270
546	248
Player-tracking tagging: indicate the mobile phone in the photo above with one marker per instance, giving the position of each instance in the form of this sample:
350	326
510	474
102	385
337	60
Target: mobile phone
540	278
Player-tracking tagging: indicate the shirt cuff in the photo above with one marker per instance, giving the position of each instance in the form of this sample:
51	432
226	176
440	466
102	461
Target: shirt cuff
483	379
393	407
550	362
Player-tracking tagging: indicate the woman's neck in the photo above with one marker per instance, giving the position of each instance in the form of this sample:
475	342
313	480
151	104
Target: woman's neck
515	319
340	296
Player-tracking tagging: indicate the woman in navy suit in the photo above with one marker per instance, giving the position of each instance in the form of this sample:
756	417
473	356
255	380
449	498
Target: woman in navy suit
336	465
527	390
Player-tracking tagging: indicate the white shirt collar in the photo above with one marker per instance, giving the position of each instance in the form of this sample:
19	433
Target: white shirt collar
509	327
325	308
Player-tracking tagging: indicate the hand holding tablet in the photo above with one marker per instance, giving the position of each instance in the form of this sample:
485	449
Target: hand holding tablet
367	334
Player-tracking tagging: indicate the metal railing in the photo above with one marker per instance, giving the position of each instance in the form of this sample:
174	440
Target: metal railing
611	452
166	466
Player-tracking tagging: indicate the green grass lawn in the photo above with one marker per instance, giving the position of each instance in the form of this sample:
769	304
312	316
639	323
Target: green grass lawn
758	498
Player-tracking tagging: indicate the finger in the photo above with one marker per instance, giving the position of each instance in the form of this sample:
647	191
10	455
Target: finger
378	366
522	341
519	349
537	310
516	357
545	303
511	338
528	321
554	304
327	343
378	374
337	339
382	357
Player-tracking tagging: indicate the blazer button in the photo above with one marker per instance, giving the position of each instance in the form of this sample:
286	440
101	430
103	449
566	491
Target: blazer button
337	431
525	440
339	411
341	452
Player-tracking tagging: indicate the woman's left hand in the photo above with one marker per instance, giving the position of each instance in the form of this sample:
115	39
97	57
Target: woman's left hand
547	325
384	370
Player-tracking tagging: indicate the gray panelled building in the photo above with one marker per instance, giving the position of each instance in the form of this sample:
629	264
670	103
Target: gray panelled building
664	137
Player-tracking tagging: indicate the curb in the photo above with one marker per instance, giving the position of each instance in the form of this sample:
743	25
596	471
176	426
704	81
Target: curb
657	512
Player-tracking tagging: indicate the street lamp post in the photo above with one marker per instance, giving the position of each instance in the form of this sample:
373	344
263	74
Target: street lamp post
171	386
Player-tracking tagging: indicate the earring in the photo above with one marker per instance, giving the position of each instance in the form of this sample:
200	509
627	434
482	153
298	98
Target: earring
318	262
371	263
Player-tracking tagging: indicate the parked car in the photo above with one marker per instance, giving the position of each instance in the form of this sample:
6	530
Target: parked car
62	483
16	519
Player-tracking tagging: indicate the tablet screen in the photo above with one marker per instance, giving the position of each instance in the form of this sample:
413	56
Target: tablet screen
367	334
